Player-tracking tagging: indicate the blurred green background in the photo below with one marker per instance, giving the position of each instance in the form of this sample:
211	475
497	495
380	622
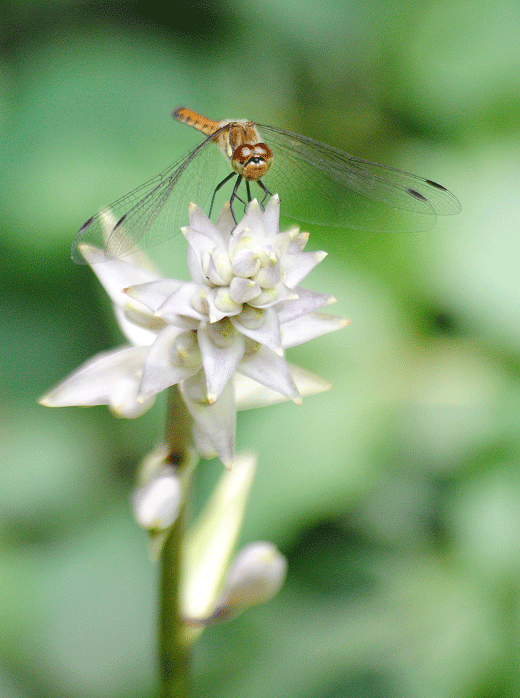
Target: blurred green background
396	497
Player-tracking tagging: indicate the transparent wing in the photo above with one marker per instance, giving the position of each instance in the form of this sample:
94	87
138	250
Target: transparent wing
321	184
155	211
316	184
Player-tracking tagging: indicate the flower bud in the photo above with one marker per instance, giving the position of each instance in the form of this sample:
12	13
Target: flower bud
217	267
256	575
245	262
225	303
156	504
243	290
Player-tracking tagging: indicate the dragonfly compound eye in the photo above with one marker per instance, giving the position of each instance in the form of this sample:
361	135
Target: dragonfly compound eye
252	161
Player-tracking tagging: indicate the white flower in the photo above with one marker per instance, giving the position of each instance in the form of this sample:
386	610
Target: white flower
219	336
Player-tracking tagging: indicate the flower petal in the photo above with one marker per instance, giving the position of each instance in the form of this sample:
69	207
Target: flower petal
298	266
253	220
261	326
250	394
214	422
110	378
222	349
305	302
154	293
189	300
309	327
270	370
137	334
173	357
271	217
116	274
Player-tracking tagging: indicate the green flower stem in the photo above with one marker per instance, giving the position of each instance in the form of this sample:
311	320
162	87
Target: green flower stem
174	652
174	646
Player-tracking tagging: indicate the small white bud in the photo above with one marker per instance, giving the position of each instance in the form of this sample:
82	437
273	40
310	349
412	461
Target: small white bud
200	302
245	263
256	575
269	273
243	290
156	504
219	268
225	303
265	298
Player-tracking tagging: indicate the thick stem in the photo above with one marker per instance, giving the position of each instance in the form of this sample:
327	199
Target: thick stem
174	649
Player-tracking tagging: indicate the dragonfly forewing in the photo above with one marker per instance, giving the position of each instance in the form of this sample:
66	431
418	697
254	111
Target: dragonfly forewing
155	211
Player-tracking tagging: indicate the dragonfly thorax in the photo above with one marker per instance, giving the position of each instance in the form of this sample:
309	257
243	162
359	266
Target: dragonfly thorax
252	161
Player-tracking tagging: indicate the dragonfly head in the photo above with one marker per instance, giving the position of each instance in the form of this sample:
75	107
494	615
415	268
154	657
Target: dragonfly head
252	161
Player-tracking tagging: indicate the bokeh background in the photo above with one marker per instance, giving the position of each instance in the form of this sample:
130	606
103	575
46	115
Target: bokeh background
396	497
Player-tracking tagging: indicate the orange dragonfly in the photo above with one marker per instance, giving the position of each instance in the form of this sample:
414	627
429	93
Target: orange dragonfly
316	184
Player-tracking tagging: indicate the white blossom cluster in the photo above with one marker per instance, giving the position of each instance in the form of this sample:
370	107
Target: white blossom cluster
220	337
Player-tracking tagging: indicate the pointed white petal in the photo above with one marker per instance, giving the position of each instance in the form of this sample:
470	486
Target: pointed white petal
117	274
298	266
200	223
154	293
188	299
306	302
216	421
118	244
220	358
250	394
298	240
265	330
142	317
173	357
226	222
136	334
110	378
270	370
310	326
272	215
243	290
202	235
253	220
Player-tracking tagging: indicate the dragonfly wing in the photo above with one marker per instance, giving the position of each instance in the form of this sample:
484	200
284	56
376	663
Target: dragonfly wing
155	211
321	184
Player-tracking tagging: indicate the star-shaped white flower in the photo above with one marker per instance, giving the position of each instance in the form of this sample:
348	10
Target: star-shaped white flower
220	337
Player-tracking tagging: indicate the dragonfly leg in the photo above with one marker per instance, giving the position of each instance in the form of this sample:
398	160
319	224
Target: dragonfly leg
219	186
238	198
234	195
265	190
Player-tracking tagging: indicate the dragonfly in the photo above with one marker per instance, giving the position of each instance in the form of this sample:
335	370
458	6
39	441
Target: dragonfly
316	183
